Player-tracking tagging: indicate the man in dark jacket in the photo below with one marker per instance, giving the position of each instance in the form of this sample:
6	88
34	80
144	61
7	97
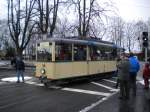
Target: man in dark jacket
20	67
123	76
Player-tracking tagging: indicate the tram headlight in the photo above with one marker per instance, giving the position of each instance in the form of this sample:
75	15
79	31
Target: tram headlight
43	71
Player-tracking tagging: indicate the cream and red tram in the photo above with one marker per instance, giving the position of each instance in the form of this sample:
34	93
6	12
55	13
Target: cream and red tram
71	58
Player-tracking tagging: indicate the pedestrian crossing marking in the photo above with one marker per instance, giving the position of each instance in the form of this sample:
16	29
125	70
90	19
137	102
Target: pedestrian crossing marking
107	87
86	91
34	83
28	80
109	81
88	108
14	79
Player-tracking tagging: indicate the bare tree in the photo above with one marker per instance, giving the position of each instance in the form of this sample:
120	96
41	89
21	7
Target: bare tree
47	16
64	28
4	34
98	30
90	12
130	35
116	30
19	22
148	24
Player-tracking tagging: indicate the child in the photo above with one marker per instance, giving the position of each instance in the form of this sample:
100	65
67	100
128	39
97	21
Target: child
146	74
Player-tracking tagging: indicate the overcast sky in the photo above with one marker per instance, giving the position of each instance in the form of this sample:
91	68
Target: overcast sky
128	9
133	9
3	9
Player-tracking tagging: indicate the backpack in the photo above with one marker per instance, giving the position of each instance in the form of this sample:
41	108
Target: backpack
134	64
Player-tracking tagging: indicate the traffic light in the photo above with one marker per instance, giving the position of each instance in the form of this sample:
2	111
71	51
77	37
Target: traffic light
145	39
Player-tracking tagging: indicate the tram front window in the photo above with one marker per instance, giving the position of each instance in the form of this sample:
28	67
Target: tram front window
44	52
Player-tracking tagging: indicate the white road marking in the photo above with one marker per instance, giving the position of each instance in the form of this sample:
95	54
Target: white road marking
1	83
88	108
28	81
55	87
34	83
142	82
109	81
71	89
107	87
86	91
41	84
3	63
14	79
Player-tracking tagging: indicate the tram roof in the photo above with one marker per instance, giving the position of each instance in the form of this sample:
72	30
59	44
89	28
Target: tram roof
87	41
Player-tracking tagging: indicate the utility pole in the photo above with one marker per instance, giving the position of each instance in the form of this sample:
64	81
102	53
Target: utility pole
145	54
145	43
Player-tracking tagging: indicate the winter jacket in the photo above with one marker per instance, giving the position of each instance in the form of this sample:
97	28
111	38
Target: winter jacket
123	69
146	71
134	64
20	65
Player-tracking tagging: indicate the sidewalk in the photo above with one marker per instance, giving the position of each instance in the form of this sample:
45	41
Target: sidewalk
139	103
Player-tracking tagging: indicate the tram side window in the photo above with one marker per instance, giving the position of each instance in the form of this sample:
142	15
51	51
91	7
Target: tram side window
79	53
44	53
95	53
63	52
107	54
100	53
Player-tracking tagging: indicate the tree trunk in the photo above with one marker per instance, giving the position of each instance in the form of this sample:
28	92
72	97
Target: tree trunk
19	52
44	36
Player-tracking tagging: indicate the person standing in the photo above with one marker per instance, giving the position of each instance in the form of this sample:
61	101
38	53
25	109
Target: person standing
116	72
134	68
146	75
13	61
123	76
20	67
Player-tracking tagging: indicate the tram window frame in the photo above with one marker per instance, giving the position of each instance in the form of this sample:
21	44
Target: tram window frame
93	53
77	52
63	52
44	52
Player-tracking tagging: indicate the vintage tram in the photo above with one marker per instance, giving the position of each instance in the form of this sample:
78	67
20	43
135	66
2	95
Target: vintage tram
68	59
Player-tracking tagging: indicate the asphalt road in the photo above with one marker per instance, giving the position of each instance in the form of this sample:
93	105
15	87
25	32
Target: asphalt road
94	96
